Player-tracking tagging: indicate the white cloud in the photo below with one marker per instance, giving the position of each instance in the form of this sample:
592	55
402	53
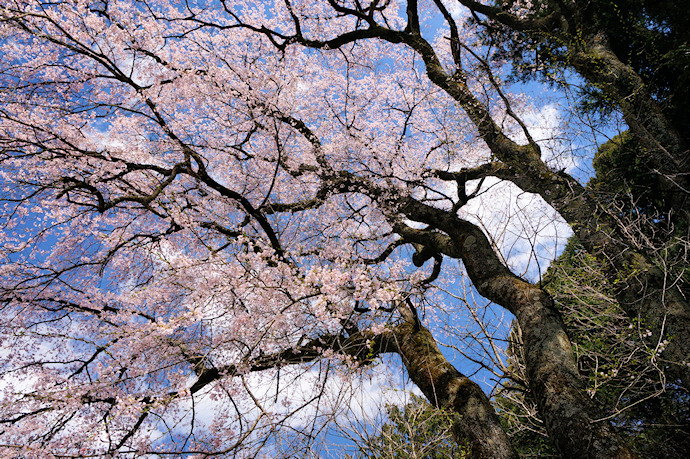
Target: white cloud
546	126
296	399
527	231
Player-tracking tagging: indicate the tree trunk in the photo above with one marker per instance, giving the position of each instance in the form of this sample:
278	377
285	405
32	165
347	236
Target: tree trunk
643	288
569	414
666	148
476	421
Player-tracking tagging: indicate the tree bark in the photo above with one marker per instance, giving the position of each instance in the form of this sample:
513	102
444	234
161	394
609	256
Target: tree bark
666	148
643	289
569	414
445	387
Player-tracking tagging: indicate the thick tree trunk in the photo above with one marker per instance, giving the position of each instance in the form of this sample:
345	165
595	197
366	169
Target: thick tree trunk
666	309
568	413
643	288
665	146
476	421
651	293
571	417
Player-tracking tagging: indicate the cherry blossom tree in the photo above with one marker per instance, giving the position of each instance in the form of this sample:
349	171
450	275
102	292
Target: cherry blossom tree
205	199
633	55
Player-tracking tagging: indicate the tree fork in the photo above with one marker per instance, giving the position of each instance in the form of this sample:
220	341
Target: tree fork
569	414
650	293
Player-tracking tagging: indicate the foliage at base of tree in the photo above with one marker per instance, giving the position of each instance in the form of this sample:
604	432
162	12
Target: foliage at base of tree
416	430
622	371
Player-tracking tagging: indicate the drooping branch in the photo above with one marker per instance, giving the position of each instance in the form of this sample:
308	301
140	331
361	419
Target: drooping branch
362	347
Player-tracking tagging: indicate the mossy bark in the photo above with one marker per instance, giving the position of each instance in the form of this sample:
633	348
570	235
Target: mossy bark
570	416
476	422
